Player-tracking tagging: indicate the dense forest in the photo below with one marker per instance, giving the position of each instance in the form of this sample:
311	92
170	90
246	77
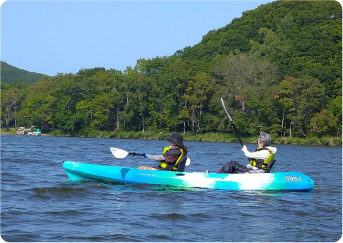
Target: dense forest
278	68
10	74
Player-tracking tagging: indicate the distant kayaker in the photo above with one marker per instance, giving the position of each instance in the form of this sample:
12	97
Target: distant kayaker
259	161
173	157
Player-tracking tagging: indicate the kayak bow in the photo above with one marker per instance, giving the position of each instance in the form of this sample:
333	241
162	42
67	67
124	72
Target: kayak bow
281	181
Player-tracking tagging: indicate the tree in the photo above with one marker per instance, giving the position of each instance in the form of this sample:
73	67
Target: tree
64	114
199	89
38	102
139	88
243	78
171	86
12	96
284	104
335	107
272	46
324	123
308	96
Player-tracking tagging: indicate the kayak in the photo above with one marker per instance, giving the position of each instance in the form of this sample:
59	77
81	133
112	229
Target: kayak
279	181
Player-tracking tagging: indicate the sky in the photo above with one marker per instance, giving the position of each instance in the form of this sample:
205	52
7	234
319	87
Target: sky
52	37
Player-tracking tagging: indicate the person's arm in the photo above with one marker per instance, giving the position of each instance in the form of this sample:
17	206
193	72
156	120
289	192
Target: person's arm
154	157
263	154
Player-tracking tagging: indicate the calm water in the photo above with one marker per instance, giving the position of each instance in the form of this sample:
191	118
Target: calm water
39	203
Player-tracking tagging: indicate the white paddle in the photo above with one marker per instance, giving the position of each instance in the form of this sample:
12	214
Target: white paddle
121	154
233	124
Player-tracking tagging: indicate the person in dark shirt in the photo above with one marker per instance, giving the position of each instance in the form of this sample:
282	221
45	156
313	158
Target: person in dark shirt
173	157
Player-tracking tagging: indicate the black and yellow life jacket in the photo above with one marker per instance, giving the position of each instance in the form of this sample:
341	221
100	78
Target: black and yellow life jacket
260	163
171	162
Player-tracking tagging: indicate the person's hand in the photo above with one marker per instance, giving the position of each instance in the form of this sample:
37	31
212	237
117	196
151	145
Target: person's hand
244	148
145	155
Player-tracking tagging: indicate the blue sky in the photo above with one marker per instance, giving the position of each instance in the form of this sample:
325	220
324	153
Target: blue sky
53	37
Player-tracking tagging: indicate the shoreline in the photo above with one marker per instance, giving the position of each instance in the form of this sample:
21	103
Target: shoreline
207	137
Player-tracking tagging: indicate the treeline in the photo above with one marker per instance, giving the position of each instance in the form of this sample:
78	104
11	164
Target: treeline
277	67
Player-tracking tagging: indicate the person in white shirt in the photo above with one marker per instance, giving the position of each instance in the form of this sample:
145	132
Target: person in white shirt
259	161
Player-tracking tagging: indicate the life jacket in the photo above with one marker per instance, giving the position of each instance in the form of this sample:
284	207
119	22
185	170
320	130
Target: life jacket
260	163
172	158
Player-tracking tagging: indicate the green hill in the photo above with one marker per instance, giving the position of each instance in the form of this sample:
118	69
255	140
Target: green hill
10	74
300	37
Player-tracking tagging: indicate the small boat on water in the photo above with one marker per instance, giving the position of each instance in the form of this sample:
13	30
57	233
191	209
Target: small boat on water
36	133
279	181
29	131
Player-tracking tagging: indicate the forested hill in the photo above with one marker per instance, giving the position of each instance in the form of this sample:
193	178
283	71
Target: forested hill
10	74
301	37
278	68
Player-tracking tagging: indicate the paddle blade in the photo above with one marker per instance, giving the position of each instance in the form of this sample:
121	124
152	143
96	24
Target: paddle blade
223	104
188	161
119	153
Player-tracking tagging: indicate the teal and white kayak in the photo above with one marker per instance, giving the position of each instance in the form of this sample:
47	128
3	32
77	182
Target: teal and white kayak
280	181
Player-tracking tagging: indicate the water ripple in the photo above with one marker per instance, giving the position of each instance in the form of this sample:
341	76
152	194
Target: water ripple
40	204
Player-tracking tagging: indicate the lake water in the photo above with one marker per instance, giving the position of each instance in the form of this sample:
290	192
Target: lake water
39	203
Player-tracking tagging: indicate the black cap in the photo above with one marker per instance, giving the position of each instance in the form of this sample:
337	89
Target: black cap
176	138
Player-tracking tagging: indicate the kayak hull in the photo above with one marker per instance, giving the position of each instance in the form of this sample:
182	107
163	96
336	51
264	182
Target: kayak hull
281	181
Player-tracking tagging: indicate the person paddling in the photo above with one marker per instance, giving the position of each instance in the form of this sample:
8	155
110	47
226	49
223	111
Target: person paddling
173	157
260	161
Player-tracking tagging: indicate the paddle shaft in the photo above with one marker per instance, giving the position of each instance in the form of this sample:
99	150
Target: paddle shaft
134	153
233	124
234	127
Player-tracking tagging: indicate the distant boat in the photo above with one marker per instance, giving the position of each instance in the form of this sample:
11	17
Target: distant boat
36	133
24	131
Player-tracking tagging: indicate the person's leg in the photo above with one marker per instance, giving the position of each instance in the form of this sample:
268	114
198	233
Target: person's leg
147	168
233	167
